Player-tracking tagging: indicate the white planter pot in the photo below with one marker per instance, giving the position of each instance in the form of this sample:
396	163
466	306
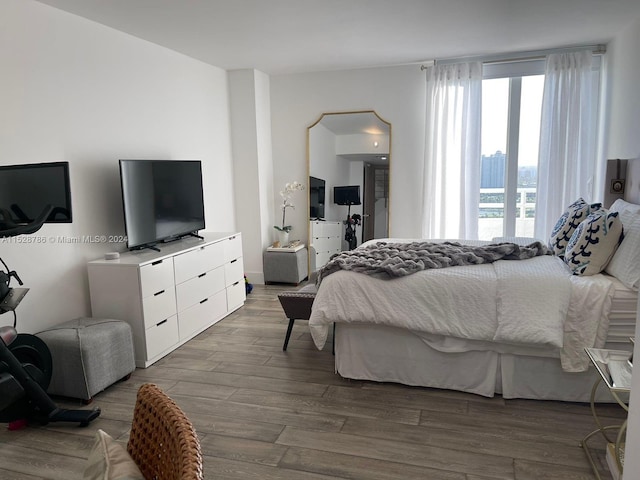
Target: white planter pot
283	238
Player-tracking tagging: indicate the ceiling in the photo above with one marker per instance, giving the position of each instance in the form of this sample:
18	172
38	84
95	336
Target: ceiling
291	36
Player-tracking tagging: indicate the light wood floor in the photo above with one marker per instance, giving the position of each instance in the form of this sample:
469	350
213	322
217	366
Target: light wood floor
262	413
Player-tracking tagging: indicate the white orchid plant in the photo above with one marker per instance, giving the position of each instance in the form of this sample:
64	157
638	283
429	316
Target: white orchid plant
289	190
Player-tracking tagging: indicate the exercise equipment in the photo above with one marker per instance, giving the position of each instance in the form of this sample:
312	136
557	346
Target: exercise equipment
25	360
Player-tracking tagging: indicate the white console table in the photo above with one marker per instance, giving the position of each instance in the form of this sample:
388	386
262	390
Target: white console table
168	297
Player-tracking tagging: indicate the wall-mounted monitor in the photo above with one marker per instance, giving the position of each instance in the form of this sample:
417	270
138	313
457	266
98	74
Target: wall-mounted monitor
162	200
316	198
27	190
346	195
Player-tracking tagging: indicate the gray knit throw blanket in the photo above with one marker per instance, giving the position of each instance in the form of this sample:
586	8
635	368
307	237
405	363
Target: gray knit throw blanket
391	260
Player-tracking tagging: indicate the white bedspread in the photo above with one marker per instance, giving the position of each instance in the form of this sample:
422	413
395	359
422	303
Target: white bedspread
532	303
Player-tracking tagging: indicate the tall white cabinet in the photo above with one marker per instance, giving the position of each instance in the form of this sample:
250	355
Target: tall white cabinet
168	297
326	240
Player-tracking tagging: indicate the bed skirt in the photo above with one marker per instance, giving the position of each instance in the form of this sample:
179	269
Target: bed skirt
388	354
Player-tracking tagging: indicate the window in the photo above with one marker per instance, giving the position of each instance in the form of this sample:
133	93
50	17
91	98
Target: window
511	107
511	110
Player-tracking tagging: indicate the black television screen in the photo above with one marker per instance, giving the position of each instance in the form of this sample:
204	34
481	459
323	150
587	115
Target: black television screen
162	200
26	190
347	195
316	198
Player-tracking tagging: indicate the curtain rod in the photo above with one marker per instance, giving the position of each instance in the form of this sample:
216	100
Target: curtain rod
515	57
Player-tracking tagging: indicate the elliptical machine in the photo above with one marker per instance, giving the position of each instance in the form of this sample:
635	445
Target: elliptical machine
25	360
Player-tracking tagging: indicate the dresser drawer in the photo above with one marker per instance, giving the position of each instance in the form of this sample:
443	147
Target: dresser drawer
326	229
162	336
322	258
232	248
233	271
194	262
324	244
202	314
192	291
159	306
236	295
156	276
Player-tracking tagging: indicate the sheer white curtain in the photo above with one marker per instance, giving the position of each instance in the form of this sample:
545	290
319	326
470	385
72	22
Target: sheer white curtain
566	163
451	185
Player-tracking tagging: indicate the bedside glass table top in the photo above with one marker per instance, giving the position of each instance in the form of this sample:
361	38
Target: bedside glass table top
613	366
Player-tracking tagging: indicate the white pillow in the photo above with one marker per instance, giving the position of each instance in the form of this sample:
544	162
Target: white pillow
625	264
628	211
594	243
567	224
109	460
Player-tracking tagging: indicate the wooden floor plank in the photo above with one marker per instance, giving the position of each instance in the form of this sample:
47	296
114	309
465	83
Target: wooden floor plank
223	468
481	442
242	449
397	451
325	405
359	468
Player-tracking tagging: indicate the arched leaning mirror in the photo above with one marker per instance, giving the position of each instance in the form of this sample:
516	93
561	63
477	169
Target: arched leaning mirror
348	182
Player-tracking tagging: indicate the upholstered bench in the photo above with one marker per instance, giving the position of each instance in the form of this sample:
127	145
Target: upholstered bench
282	265
88	354
297	306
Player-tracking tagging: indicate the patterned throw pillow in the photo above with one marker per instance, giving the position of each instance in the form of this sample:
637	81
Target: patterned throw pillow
567	224
593	243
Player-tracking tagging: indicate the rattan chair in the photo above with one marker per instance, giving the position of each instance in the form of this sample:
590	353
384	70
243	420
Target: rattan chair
163	442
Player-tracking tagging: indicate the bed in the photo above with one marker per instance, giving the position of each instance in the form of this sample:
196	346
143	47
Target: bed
460	328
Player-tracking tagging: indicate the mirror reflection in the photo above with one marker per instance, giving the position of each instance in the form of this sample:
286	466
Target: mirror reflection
348	159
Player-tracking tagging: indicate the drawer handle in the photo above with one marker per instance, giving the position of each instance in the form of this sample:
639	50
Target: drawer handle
157	262
158	293
163	321
231	238
233	261
236	283
202	275
202	301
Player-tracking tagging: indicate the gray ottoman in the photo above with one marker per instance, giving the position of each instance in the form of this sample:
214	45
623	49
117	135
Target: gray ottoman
285	266
89	354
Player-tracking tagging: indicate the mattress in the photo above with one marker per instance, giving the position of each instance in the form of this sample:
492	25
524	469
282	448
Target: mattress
505	306
387	353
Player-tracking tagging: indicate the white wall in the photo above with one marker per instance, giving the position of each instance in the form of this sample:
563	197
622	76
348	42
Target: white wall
252	164
73	90
624	142
397	94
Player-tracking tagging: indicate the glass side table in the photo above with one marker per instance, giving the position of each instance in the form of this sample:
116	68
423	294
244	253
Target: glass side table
614	369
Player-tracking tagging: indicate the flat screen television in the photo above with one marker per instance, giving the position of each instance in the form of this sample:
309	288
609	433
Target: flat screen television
26	190
162	200
316	198
346	195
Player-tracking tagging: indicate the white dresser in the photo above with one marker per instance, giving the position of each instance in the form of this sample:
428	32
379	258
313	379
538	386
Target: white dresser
326	239
168	297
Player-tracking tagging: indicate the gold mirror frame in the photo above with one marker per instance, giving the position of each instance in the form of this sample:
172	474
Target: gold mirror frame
379	129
